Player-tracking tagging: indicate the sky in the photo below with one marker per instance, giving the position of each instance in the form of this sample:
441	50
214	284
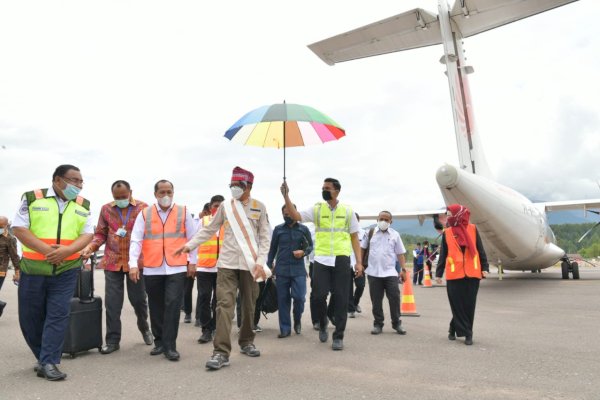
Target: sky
145	90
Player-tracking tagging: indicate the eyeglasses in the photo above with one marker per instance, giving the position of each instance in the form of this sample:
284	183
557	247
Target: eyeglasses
73	181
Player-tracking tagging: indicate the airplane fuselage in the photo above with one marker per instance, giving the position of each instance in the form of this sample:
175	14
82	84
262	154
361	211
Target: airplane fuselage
515	233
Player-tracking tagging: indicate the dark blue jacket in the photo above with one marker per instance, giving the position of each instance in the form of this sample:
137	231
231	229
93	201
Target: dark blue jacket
285	240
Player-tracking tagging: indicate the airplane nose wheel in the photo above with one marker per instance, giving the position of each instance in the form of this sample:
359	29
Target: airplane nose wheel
567	266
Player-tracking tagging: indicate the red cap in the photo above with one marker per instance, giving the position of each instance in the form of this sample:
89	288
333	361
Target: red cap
240	174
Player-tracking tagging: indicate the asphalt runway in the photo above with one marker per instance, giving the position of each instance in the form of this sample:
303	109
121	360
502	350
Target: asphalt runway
536	337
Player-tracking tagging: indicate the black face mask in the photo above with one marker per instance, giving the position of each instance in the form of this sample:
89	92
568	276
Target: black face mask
326	195
289	220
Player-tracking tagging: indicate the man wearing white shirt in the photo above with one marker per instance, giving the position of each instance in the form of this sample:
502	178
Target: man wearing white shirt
53	226
385	247
336	237
158	232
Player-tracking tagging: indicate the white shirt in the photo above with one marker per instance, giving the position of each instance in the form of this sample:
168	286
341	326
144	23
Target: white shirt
362	238
21	219
385	247
137	237
309	216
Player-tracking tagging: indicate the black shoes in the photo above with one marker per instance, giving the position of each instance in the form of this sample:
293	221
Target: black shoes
338	344
376	330
172	355
358	309
323	335
283	335
351	314
206	337
37	366
2	305
157	350
148	338
316	326
50	372
399	329
469	340
250	350
197	324
297	327
187	319
217	361
109	348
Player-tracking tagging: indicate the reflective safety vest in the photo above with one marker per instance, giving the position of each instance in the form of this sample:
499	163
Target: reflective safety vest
208	252
332	230
51	227
161	240
458	264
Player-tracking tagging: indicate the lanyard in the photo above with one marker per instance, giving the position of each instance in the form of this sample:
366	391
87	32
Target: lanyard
129	208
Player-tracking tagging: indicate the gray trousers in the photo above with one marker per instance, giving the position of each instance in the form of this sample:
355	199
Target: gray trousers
114	293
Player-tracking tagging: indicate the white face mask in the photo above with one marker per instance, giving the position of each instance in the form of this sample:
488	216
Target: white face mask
165	201
383	225
236	192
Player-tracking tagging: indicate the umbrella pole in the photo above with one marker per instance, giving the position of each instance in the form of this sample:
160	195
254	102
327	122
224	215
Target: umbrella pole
284	151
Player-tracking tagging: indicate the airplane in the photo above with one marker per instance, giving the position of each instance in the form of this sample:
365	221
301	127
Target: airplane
515	231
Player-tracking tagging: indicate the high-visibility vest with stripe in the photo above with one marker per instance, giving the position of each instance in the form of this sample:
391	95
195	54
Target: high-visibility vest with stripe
458	264
332	230
161	240
208	252
51	227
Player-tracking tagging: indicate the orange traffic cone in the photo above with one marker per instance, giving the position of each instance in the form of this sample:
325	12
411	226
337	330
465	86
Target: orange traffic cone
427	281
408	306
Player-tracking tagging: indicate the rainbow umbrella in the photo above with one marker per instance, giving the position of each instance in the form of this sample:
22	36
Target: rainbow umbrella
284	125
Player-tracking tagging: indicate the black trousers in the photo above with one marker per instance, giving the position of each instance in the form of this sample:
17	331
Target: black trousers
187	296
354	298
2	303
115	292
206	308
164	298
312	298
339	277
390	286
462	294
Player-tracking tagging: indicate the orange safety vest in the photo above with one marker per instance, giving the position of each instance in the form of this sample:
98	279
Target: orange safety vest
208	252
458	264
161	240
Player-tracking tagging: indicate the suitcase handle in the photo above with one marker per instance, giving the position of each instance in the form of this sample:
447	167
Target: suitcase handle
93	262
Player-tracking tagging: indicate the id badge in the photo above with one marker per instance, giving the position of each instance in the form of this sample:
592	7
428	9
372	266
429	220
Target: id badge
121	232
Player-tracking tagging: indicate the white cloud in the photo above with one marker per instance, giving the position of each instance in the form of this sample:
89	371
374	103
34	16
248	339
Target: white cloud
144	90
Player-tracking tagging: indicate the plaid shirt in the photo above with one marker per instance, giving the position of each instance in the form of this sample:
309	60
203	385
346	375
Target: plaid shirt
8	251
116	250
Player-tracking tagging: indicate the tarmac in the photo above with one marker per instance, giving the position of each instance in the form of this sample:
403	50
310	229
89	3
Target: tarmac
535	337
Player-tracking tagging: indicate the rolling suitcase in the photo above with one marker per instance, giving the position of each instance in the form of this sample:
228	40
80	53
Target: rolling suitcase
85	324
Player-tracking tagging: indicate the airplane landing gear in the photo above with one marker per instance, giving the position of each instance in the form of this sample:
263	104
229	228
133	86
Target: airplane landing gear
567	266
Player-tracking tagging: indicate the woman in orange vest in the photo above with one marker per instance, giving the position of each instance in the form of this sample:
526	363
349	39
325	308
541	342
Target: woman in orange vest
463	259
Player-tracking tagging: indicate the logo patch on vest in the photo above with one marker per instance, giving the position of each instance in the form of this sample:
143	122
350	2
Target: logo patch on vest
340	217
40	208
83	214
254	216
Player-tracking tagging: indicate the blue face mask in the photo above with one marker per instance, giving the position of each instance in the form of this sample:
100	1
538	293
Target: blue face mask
1	231
71	191
122	203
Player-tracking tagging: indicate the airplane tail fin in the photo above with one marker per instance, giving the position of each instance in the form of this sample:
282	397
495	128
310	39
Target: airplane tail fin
470	151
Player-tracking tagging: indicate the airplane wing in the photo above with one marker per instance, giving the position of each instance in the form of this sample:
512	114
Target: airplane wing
476	16
584	205
409	30
421	28
419	215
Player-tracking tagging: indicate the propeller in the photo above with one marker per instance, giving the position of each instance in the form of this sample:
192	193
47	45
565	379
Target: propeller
592	228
